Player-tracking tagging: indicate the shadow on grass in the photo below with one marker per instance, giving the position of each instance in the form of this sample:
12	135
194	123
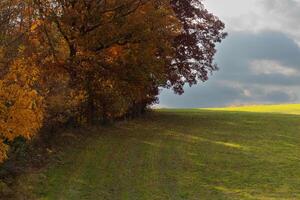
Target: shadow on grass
182	155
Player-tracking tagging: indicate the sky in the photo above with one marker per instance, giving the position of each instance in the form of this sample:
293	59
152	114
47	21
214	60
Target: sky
259	61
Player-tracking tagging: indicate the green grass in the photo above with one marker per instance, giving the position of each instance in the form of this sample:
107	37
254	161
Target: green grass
182	155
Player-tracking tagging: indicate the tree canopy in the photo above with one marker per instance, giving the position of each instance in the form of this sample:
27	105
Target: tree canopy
92	61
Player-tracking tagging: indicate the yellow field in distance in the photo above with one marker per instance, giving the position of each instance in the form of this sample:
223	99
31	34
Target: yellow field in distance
281	108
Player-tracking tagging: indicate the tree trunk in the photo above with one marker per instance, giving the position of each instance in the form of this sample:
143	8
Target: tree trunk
90	110
106	120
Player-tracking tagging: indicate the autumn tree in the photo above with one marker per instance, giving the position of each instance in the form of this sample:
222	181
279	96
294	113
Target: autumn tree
95	61
99	36
21	105
195	46
107	43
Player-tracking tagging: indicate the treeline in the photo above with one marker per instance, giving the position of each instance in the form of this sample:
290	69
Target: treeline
93	61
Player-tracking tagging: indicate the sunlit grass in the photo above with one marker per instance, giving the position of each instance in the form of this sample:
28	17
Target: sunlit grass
182	155
284	108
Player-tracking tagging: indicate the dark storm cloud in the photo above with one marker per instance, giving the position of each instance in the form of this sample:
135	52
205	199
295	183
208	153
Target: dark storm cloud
254	68
201	96
279	97
265	45
238	51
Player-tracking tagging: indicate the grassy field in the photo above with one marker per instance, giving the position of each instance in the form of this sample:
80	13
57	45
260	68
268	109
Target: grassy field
182	155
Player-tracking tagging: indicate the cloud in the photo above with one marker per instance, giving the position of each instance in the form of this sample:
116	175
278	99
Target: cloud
259	15
241	50
278	15
269	67
254	68
211	94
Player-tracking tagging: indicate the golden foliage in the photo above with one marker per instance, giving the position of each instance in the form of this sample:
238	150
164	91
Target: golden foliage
21	107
